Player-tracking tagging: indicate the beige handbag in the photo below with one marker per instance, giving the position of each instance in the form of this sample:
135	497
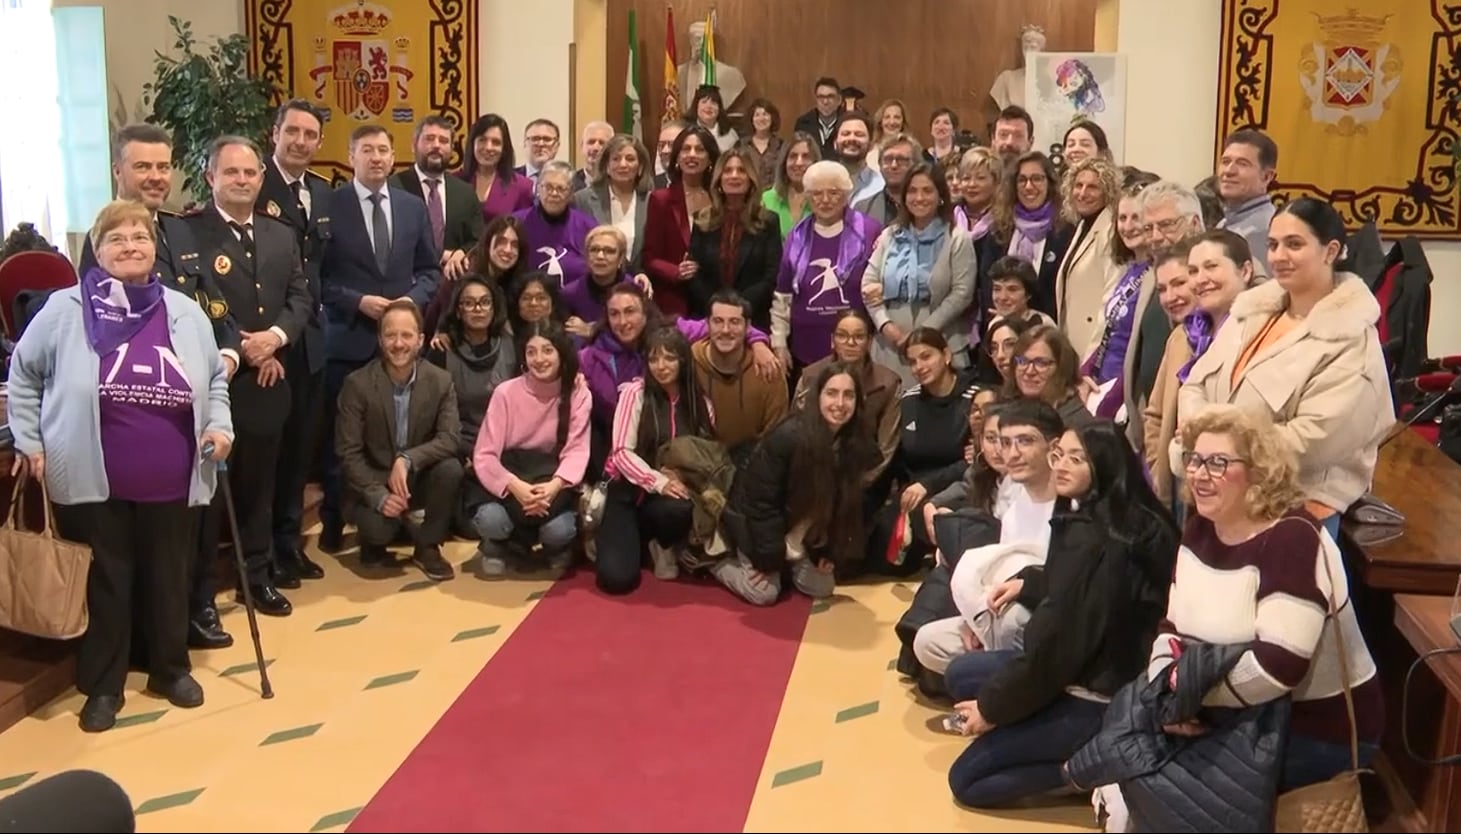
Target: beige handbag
1334	805
42	578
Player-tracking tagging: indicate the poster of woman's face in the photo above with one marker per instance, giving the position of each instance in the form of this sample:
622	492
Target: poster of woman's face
1062	88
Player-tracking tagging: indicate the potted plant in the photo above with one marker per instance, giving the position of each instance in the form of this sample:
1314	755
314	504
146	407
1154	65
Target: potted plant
199	97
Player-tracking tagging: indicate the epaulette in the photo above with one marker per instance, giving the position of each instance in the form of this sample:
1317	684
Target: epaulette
264	215
194	209
310	172
169	212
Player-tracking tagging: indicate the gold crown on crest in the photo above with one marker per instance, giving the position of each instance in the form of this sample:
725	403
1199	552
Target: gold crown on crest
1352	27
402	43
364	19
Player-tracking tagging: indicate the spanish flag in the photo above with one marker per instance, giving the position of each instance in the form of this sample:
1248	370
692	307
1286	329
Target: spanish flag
672	81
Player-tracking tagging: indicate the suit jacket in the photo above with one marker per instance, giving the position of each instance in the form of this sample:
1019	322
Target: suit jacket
810	123
349	271
757	259
595	200
266	289
464	224
177	267
310	236
365	428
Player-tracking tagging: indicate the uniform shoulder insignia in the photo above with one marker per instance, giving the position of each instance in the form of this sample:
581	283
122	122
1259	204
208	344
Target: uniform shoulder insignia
260	216
310	172
194	209
162	212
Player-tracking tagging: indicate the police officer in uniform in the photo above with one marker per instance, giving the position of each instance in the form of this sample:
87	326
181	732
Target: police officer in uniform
299	198
142	166
255	261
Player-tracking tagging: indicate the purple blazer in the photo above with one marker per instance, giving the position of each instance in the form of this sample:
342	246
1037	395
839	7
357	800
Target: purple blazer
506	197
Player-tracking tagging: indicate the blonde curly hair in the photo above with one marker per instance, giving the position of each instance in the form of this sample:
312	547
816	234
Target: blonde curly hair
1109	175
1273	468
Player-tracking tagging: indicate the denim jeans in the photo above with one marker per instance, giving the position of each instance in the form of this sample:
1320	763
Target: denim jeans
968	672
1024	759
1308	761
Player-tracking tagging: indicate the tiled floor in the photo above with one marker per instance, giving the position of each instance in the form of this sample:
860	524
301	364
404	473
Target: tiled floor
368	662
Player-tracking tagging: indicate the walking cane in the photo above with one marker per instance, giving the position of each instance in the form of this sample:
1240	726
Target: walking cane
243	576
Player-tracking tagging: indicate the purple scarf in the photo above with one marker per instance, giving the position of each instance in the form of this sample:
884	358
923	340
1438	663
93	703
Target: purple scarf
1199	328
851	246
112	311
981	225
1031	227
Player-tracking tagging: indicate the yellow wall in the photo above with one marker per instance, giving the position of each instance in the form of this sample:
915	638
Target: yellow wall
1108	16
591	87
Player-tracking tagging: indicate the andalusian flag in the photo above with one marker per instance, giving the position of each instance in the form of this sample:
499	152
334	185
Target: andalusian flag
671	109
709	56
631	82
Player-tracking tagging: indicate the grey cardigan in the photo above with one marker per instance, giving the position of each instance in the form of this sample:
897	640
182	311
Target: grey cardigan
55	408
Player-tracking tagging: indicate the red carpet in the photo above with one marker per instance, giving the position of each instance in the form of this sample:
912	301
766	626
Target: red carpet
650	712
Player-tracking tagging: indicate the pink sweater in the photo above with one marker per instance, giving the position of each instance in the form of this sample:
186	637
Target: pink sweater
523	414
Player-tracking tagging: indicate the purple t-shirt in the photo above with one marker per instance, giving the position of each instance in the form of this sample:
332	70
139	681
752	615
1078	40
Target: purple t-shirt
147	417
816	300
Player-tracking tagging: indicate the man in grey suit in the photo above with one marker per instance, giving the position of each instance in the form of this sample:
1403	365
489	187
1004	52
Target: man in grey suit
381	249
254	261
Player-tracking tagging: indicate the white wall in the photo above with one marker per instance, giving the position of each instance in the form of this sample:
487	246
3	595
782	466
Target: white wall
1172	51
524	61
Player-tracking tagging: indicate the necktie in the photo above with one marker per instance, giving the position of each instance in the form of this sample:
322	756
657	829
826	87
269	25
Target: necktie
435	211
381	233
298	201
245	232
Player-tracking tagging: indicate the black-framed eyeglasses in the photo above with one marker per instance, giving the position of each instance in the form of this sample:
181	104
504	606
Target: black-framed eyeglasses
1215	465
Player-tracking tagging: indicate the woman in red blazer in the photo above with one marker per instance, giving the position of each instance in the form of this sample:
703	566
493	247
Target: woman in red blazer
667	219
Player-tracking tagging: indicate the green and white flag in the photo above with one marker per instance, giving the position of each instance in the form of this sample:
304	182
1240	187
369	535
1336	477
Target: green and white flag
631	120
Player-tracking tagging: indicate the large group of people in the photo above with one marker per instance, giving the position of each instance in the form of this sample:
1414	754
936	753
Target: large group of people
1108	416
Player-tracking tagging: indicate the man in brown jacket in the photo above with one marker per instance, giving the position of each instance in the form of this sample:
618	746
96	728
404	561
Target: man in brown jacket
746	405
397	435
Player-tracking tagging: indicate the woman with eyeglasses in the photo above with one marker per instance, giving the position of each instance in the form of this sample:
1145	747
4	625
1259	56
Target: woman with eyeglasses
553	230
584	299
1027	224
1045	367
1096	606
1254	575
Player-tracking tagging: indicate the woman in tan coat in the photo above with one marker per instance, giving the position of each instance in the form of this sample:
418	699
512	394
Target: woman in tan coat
1304	349
1089	195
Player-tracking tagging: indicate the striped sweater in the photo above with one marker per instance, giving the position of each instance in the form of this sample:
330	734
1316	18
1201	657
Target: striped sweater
625	461
1273	592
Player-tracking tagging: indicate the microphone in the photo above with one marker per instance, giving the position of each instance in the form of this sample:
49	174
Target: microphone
74	800
1428	408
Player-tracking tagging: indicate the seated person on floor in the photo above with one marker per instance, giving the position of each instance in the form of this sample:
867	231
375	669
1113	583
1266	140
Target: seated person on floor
748	400
797	503
397	433
1112	548
479	354
646	500
532	452
934	420
1028	430
1261	590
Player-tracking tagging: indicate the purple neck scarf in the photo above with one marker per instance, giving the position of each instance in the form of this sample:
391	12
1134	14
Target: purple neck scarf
850	245
1200	329
980	225
1031	227
112	311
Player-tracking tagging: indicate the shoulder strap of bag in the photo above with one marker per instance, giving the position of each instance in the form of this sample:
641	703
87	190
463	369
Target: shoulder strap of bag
16	517
1339	646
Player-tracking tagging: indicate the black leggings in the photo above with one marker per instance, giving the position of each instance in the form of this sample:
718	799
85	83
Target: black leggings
631	516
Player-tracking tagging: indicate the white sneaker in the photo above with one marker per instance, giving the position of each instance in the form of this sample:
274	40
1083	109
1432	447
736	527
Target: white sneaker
666	561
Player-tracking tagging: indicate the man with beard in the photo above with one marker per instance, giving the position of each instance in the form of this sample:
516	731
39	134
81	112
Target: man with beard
896	159
853	135
451	204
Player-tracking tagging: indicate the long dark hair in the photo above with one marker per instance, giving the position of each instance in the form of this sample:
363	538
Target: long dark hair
520	284
451	322
480	258
692	411
1120	492
829	468
984	479
567	367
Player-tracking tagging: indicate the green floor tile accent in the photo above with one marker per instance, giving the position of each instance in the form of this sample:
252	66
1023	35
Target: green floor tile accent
474	633
418	585
139	718
348	621
535	595
243	668
335	819
859	711
821	605
391	680
291	735
15	781
796	774
172	800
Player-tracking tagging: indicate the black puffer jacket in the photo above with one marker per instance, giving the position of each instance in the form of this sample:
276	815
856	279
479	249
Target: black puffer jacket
1224	780
755	517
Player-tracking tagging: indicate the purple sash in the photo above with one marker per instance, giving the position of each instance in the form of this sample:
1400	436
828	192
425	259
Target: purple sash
850	247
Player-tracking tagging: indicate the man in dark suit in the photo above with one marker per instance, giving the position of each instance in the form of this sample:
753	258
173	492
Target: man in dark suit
256	263
820	122
397	434
451	206
299	198
142	168
380	250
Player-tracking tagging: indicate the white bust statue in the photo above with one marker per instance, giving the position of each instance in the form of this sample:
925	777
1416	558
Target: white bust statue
691	74
1009	87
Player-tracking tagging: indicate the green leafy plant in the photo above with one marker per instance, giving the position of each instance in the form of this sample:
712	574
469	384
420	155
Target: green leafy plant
198	96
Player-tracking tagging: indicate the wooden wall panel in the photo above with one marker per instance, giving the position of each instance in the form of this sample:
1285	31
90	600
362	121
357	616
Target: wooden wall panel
930	53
